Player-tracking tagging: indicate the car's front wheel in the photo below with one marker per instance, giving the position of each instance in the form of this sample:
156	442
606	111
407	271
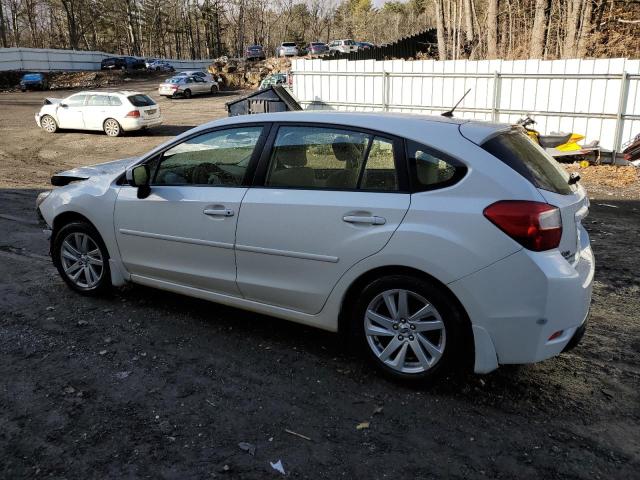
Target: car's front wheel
112	128
81	258
49	124
409	327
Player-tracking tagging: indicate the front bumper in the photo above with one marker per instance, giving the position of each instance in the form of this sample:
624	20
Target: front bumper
529	306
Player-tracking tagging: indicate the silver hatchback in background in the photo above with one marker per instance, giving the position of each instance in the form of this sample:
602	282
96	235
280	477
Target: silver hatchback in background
187	86
287	49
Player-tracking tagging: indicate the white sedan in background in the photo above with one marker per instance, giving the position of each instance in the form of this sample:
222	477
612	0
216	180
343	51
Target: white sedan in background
199	73
186	86
111	112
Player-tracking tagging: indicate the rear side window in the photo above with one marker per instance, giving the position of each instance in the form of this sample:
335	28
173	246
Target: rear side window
529	160
114	101
430	169
141	101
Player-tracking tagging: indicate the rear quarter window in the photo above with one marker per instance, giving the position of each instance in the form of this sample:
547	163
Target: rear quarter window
520	153
430	169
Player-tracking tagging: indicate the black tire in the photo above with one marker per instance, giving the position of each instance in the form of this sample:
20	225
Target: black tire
68	232
213	89
451	315
187	93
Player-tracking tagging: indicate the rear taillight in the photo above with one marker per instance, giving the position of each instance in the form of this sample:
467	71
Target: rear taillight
133	114
534	225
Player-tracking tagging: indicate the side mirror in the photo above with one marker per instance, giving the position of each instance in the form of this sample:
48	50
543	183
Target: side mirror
138	176
64	105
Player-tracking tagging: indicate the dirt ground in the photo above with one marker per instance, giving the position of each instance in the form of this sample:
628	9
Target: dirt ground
147	384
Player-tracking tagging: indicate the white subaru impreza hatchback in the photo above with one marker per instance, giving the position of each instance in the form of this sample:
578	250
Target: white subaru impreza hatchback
111	112
430	241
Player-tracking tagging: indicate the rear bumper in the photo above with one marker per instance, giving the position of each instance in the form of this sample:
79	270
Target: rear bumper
521	302
129	124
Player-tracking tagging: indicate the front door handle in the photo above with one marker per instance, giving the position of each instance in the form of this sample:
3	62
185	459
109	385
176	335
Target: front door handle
218	212
372	220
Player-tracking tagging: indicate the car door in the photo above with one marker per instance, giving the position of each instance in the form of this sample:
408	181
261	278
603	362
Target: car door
183	232
200	85
70	112
95	111
324	199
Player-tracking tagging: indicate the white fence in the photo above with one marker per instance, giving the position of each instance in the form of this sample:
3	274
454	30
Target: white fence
597	98
46	60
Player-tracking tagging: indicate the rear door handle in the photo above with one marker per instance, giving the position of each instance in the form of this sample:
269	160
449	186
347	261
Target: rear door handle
218	212
373	220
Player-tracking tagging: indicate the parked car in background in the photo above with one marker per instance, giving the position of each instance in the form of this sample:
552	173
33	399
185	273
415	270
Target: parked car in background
255	52
122	63
186	87
430	242
317	48
111	112
365	45
149	61
33	81
161	66
287	49
274	79
113	63
343	46
199	73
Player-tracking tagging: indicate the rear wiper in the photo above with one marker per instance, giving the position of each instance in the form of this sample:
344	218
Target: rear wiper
573	178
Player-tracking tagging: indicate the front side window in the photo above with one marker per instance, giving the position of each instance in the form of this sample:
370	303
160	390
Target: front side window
430	169
98	101
217	158
332	159
75	101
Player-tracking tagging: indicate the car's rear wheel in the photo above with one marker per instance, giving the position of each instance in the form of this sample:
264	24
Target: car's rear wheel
213	89
112	128
81	258
49	124
187	93
409	327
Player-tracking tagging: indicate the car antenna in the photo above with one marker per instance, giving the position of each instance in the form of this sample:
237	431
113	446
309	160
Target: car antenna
449	113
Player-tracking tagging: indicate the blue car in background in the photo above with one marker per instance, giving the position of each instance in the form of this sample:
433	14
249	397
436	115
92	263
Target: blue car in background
32	81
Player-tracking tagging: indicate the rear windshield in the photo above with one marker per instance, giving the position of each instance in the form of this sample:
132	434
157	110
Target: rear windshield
288	44
529	160
141	101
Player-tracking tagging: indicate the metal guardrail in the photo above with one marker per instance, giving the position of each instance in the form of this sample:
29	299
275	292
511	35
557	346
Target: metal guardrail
620	116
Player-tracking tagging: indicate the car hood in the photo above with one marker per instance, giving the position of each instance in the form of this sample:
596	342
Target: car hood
115	167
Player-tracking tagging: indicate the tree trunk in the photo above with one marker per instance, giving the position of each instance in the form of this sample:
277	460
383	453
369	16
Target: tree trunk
468	21
3	31
539	31
586	27
571	34
442	39
492	29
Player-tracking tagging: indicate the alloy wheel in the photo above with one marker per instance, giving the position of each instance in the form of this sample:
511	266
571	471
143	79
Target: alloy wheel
112	128
82	260
404	331
48	124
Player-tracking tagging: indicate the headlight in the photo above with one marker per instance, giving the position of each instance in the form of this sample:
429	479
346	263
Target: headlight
42	197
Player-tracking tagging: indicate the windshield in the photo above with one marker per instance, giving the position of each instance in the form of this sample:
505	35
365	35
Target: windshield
529	160
141	100
32	76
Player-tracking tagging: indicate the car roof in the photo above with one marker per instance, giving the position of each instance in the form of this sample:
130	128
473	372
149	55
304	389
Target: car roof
108	92
432	130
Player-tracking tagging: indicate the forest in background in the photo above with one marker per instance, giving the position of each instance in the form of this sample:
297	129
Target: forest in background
194	29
